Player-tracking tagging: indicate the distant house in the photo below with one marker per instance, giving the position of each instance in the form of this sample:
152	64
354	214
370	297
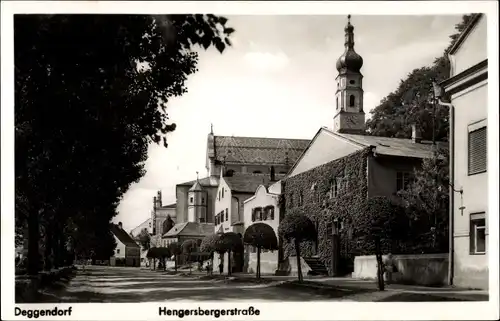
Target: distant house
186	231
127	252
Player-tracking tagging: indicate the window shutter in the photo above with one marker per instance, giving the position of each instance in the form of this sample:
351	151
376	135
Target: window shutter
253	215
477	151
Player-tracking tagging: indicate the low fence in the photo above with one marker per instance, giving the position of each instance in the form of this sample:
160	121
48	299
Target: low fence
418	269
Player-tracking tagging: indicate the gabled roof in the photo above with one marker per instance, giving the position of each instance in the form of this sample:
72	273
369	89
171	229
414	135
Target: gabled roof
258	150
211	181
387	146
196	187
470	26
248	183
190	229
123	236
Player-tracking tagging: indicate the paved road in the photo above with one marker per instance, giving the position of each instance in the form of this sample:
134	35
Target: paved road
122	284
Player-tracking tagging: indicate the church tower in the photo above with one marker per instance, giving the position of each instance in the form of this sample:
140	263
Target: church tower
197	203
349	115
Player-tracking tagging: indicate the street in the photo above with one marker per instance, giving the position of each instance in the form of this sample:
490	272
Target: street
126	284
122	284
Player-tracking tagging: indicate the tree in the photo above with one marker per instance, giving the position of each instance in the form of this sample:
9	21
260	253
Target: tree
299	228
144	239
412	102
167	225
188	247
260	235
208	245
227	243
427	202
91	93
175	250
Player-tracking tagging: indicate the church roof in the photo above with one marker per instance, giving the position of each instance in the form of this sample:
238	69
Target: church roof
258	150
247	183
211	181
190	229
123	236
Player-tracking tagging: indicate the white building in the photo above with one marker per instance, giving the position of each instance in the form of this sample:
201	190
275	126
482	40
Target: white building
263	207
468	89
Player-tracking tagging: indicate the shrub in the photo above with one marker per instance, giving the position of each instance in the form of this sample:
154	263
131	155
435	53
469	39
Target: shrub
175	250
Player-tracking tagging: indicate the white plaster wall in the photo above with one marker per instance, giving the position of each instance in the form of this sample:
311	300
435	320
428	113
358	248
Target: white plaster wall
120	247
222	203
471	107
324	149
473	50
261	199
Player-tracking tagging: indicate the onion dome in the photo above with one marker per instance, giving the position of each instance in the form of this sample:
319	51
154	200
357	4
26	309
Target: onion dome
350	60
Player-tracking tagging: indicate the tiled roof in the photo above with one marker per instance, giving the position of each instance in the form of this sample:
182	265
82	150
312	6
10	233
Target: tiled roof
206	182
190	229
123	236
396	146
258	150
248	183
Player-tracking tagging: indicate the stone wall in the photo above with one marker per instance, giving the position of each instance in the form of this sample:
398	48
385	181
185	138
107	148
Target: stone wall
419	269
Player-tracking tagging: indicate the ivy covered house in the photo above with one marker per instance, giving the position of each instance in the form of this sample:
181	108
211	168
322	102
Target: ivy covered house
344	166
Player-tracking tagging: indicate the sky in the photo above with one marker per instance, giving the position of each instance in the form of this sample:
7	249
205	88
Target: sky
278	80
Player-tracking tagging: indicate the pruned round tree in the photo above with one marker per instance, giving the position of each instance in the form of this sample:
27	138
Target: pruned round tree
188	247
299	228
175	250
208	246
227	243
261	236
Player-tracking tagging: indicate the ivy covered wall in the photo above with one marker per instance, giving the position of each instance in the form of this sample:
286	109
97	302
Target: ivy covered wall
336	189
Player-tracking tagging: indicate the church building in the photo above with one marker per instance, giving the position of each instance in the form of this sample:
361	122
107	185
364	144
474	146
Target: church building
244	155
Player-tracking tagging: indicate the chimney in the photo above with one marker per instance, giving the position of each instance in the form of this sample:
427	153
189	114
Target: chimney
158	199
416	135
272	174
120	225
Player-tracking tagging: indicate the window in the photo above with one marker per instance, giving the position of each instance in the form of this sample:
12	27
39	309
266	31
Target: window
477	151
203	218
301	199
338	105
258	214
191	200
253	215
117	251
403	180
352	82
269	213
222	192
202	200
218	197
221	216
477	233
227	215
264	214
351	101
217	219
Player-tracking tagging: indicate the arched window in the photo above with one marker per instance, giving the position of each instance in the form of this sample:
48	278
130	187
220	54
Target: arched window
338	105
351	101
